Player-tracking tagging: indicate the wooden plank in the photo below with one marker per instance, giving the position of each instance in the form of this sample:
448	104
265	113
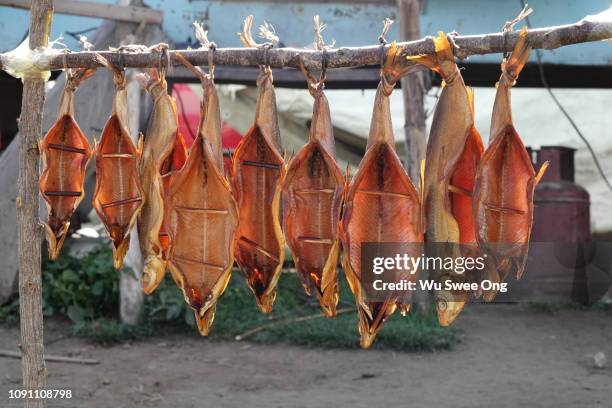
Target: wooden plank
97	10
413	90
28	227
54	359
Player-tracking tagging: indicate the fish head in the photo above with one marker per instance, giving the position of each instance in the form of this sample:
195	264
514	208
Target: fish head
448	307
152	274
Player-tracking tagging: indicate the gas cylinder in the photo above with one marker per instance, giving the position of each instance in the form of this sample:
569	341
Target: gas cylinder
561	206
560	240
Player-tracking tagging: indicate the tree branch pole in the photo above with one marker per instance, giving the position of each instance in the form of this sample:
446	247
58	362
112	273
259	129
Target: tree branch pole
586	30
413	91
30	280
415	132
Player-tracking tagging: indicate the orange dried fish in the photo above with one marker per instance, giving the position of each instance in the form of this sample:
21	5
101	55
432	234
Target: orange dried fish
170	167
118	197
65	152
381	205
454	148
257	169
162	152
201	215
312	192
503	196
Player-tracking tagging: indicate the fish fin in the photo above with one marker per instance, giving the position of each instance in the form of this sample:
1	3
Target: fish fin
470	94
329	282
541	172
140	145
422	194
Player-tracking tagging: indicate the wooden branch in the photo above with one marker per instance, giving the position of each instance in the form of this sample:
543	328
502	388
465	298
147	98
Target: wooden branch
54	359
263	327
130	14
586	30
28	227
413	91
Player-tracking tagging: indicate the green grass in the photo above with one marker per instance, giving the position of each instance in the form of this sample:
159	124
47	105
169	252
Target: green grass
86	291
237	313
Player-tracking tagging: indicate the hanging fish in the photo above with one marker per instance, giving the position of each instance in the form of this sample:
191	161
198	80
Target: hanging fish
454	149
381	205
257	168
312	192
505	183
118	196
201	215
65	152
163	153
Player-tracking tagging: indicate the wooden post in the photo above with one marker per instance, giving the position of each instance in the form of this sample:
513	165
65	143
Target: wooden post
28	227
413	90
131	298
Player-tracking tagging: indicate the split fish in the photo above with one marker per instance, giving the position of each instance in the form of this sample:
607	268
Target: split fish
118	196
453	152
257	168
201	215
381	205
312	191
163	153
505	183
65	153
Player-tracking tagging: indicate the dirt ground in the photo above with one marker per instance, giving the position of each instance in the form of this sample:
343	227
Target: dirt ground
510	356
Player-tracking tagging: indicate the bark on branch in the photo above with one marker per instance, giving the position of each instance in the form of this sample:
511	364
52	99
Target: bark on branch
28	228
593	28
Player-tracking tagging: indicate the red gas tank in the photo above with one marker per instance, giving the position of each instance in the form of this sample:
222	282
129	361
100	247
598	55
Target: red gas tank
560	240
561	206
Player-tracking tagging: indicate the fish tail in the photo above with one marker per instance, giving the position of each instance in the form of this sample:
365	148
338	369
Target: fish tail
444	52
395	67
513	65
541	172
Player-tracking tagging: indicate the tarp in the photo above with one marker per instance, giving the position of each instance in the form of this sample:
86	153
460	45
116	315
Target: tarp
537	119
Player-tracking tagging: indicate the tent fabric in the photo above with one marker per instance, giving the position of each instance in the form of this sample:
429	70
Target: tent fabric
536	117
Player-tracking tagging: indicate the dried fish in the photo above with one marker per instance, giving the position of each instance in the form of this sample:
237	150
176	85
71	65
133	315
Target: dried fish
201	215
312	192
65	152
381	205
257	169
118	197
503	196
163	152
170	168
454	148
